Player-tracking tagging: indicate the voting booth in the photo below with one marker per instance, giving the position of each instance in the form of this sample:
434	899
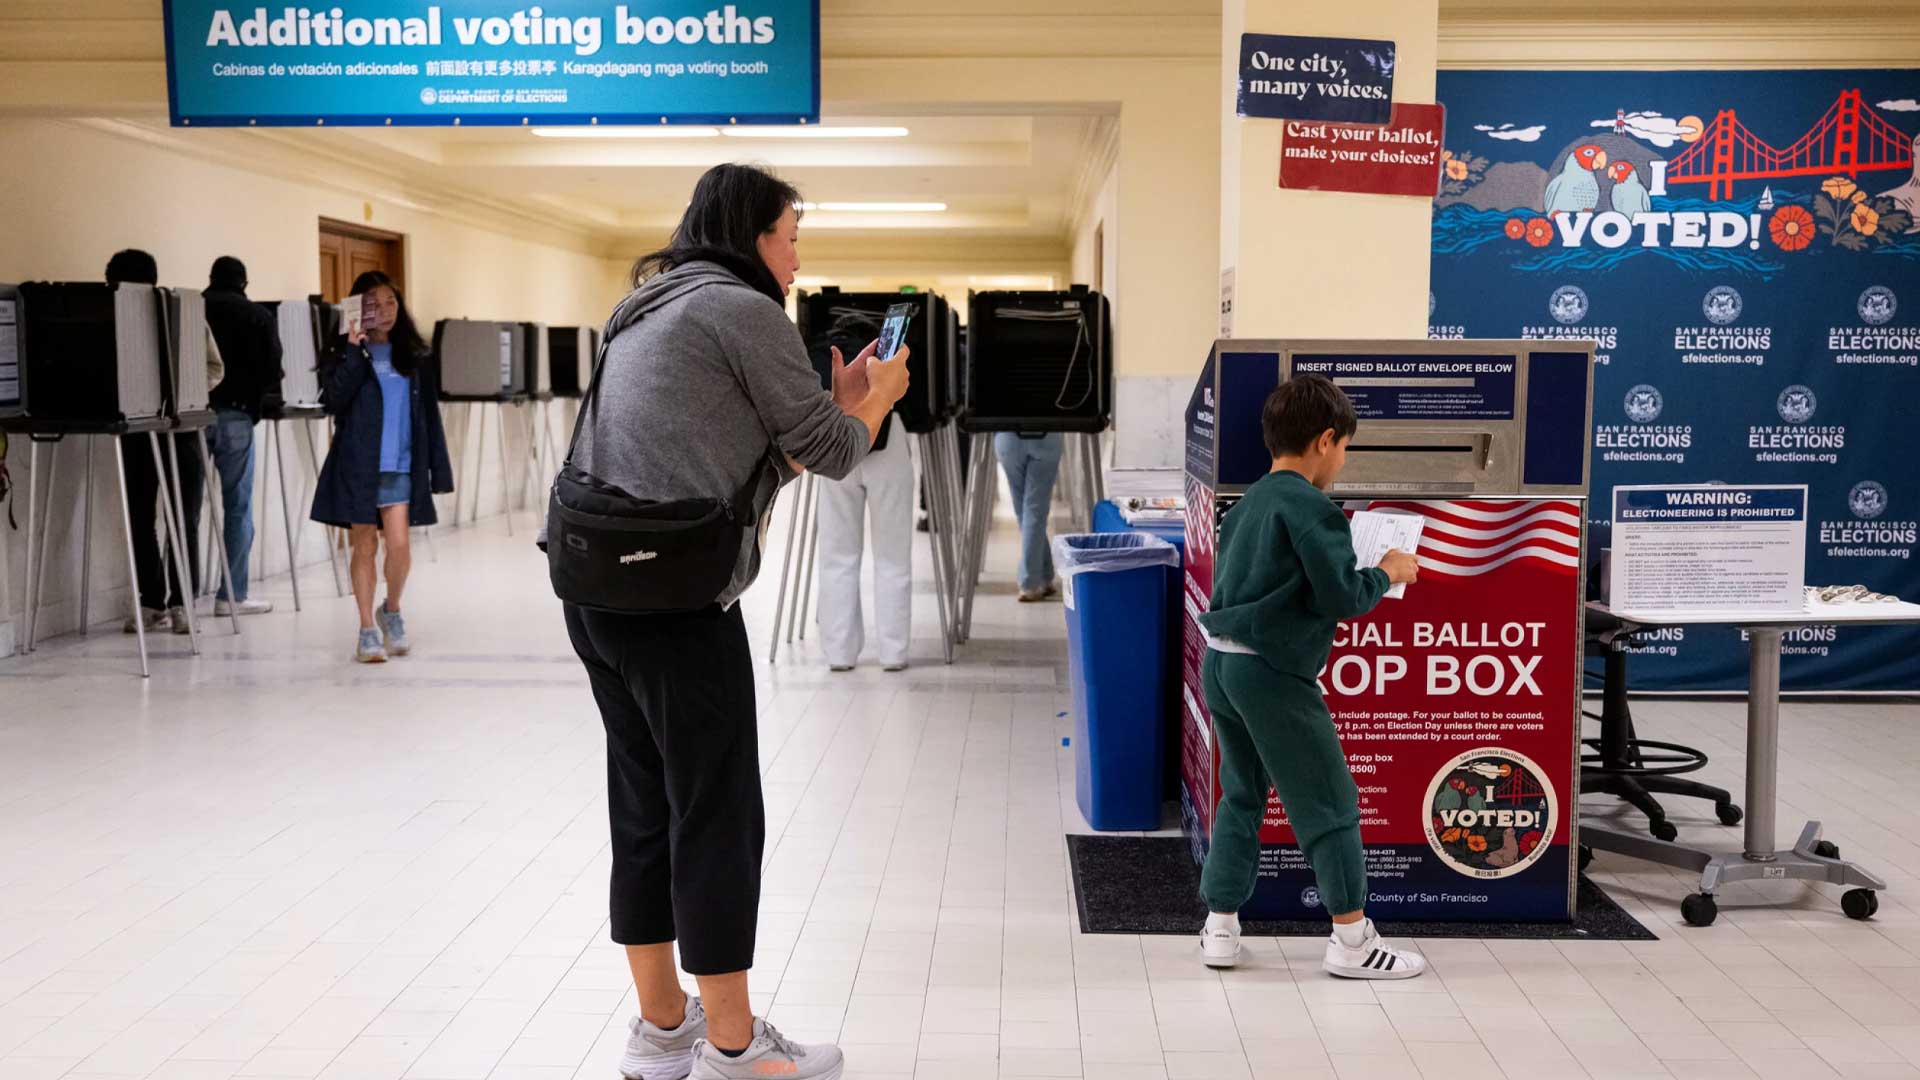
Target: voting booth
481	360
1458	703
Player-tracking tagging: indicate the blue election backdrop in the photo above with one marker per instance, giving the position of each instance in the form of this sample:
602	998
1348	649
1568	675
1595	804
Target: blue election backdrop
494	62
1744	248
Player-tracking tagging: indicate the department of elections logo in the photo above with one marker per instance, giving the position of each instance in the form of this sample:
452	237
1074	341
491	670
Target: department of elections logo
1491	813
1568	304
1867	500
1722	305
1877	306
1310	897
1643	404
1796	404
427	96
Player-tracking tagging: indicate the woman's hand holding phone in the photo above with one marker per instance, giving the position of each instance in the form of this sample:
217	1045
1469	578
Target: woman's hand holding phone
850	380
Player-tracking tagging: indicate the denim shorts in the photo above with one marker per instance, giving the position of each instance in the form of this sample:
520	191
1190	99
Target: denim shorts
396	489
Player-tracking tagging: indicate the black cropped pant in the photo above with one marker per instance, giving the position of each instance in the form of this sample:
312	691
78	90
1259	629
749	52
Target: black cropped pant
683	779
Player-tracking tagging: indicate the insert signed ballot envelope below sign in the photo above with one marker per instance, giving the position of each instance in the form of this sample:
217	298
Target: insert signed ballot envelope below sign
1346	80
1376	532
1402	158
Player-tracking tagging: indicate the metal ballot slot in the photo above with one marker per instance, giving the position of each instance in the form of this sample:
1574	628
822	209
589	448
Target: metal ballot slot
1458	701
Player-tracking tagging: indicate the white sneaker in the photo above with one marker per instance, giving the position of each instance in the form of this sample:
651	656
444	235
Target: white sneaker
179	617
655	1054
154	618
1220	941
245	607
771	1054
1373	958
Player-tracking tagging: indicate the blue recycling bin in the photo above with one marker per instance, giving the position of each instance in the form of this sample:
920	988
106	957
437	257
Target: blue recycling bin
1114	586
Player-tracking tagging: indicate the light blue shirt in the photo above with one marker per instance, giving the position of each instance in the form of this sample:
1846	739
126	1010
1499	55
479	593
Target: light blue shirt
396	428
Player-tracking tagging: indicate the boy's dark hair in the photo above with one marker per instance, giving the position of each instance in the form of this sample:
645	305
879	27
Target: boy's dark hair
1300	409
132	266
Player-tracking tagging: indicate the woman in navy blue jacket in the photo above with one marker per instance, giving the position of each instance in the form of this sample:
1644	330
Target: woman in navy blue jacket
388	457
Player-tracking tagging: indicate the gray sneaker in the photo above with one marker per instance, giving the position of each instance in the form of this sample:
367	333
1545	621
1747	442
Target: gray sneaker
653	1054
370	650
771	1054
394	629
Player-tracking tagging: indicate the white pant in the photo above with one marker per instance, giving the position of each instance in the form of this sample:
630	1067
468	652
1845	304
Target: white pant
880	487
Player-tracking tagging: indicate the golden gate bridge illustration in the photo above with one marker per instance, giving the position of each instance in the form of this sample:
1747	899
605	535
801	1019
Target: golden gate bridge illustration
1850	139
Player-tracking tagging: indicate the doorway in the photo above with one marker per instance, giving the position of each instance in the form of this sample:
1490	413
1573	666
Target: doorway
347	251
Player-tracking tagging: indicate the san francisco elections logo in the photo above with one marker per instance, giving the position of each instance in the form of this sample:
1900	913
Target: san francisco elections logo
1491	813
1722	305
1796	404
1310	897
1568	304
1643	404
1877	305
428	96
1867	500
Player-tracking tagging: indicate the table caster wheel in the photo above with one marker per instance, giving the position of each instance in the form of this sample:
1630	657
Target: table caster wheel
1586	857
1700	909
1729	813
1827	849
1662	829
1860	903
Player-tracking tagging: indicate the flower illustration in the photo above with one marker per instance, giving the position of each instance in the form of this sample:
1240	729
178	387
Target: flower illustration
1460	172
1865	220
1854	220
1446	155
1539	232
1839	187
1859	196
1530	841
1476	842
1456	169
1792	228
1516	228
1451	836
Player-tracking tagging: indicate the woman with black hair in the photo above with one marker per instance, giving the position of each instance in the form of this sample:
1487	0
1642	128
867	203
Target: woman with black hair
388	458
705	391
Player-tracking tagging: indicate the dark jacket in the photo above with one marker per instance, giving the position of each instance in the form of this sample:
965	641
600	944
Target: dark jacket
350	479
249	340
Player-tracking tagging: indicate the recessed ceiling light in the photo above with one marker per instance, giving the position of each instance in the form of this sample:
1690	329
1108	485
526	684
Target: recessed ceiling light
815	132
877	207
626	132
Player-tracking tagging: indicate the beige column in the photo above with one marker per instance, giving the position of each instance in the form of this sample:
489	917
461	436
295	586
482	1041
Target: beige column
1319	263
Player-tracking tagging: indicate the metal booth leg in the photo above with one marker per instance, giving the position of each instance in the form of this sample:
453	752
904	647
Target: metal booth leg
506	478
33	513
807	581
176	525
220	537
86	545
133	566
286	511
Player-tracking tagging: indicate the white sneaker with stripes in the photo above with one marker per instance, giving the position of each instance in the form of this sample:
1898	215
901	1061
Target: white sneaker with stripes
1373	958
1220	941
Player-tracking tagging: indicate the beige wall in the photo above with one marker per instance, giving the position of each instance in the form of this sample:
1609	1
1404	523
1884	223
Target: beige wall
95	188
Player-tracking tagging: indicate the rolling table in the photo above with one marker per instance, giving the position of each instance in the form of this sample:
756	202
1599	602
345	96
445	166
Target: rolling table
1811	858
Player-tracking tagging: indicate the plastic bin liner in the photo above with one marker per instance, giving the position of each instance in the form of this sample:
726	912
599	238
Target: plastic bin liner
1108	553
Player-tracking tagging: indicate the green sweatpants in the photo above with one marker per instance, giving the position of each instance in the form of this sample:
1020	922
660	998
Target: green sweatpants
1273	730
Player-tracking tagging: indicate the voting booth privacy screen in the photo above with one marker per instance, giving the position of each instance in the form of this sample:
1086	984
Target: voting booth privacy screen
418	62
1742	246
1458	704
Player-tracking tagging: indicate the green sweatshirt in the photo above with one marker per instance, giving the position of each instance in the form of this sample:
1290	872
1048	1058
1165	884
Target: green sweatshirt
1285	575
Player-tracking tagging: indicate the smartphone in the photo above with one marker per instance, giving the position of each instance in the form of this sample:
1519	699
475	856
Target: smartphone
893	333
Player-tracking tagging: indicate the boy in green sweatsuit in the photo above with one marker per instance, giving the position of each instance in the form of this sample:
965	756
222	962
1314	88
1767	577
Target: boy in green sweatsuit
1284	578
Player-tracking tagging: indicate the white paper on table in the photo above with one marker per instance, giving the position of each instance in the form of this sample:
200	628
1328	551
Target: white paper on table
1376	532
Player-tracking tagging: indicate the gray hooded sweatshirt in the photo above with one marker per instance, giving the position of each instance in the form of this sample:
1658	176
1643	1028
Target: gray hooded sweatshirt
711	387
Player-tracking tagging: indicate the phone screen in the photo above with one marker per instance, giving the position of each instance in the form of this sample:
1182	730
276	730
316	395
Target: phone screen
893	333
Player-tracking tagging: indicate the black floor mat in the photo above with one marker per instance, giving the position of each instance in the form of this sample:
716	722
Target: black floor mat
1149	885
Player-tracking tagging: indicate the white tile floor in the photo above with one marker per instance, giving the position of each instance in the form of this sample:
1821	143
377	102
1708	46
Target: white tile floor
270	863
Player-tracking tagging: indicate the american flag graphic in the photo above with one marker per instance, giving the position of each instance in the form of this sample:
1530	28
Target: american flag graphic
1467	538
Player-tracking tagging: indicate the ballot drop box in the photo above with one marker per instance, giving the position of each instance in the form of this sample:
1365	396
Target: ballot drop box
1458	703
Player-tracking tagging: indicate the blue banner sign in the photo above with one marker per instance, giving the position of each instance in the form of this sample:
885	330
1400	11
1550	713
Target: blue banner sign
1420	387
557	62
1349	80
1745	247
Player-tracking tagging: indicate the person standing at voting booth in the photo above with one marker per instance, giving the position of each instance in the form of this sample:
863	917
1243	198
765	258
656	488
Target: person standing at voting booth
250	345
1032	463
703	403
876	495
163	598
1285	577
388	458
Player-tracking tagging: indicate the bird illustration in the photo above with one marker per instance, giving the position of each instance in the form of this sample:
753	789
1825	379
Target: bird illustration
1908	194
1575	189
1629	194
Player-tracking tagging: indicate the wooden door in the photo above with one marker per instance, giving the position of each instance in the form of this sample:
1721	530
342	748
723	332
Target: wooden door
347	251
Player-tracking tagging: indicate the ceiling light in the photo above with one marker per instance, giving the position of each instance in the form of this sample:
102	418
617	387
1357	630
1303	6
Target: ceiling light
877	207
663	132
815	132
